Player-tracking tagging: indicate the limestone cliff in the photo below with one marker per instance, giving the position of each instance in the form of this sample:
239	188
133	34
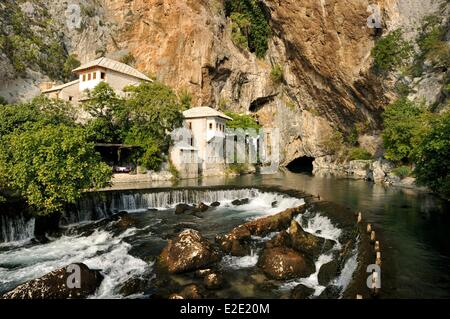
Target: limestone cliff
323	47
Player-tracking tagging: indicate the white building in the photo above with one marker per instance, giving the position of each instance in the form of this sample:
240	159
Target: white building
118	75
204	142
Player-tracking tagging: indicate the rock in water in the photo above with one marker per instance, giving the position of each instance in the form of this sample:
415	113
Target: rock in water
191	291
283	263
202	207
278	222
213	281
307	243
215	204
328	272
236	242
183	208
301	292
54	285
188	252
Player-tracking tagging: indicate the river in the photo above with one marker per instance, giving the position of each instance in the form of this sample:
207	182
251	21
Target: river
414	227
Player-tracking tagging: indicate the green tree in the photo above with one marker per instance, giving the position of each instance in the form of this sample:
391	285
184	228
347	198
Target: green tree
405	123
40	109
3	101
155	111
391	51
432	159
51	166
70	64
109	123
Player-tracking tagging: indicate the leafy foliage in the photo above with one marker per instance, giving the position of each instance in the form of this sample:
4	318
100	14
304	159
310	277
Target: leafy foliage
154	111
250	25
128	59
391	51
402	171
242	121
3	100
51	165
358	153
109	120
432	164
32	41
432	43
405	123
71	63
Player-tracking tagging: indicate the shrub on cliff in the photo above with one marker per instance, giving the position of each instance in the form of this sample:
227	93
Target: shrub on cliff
391	51
250	25
432	160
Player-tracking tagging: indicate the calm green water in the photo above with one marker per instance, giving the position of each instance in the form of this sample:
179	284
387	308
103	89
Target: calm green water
415	226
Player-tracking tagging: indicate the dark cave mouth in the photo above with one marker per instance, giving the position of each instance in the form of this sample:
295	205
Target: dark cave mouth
302	164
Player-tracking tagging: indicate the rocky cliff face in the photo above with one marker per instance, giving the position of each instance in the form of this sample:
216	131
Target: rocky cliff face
323	47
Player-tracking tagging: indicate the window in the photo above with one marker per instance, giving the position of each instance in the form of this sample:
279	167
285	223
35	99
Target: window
89	76
84	77
190	125
217	126
70	98
210	126
103	75
94	75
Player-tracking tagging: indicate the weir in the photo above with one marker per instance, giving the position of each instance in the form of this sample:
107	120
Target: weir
16	227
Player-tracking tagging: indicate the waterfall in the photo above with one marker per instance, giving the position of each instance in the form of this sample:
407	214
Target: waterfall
16	227
99	205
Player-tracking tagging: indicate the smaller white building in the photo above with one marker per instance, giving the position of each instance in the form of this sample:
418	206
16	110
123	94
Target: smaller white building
204	141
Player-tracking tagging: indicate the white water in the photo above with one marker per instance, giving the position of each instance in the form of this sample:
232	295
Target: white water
98	251
322	226
142	202
15	228
233	262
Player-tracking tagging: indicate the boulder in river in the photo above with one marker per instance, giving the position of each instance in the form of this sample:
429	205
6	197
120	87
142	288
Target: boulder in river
183	208
283	263
202	207
282	239
301	292
189	251
191	291
213	281
235	242
273	223
308	243
60	284
239	202
215	204
328	272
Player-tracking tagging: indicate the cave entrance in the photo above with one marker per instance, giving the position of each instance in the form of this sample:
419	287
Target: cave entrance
302	164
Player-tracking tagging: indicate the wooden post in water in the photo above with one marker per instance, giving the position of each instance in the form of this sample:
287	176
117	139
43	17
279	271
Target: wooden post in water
372	236
377	246
359	296
378	259
359	220
369	228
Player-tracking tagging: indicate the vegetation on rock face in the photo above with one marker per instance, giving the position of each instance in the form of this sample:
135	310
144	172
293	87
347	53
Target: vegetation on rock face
391	51
250	25
128	59
432	158
3	101
358	153
242	121
32	41
402	171
277	74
